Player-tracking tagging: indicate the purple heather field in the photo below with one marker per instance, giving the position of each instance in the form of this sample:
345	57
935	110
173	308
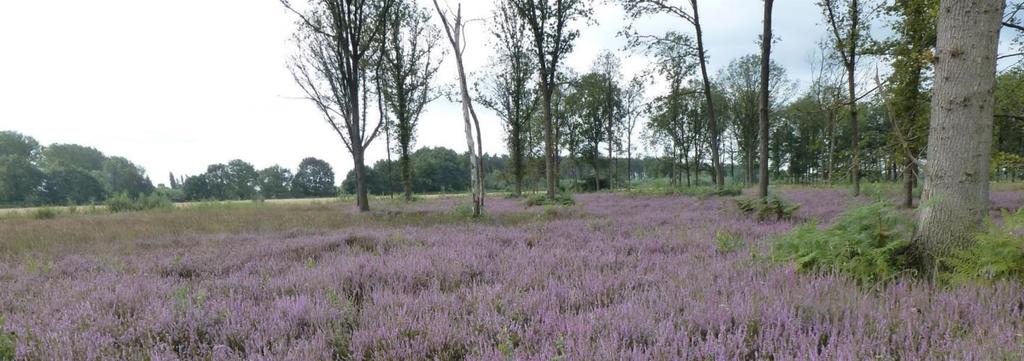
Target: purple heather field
616	277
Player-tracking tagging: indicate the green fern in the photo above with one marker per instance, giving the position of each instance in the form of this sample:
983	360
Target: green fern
997	254
868	243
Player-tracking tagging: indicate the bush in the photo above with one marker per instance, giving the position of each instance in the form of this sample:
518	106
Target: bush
124	203
771	207
997	254
868	243
711	191
7	343
727	242
44	213
561	199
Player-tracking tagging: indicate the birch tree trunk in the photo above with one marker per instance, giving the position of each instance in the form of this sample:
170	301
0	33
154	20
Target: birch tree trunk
955	200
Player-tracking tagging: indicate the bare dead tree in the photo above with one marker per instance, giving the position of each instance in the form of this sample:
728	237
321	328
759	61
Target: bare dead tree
455	28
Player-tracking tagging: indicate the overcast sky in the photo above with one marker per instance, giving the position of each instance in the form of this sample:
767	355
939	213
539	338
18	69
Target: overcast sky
177	85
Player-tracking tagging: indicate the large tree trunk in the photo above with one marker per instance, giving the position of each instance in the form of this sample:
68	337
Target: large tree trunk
549	143
716	166
406	164
362	196
960	136
762	112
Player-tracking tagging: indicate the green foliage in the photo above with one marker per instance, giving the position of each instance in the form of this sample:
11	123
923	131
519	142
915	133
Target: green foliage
44	213
18	145
315	178
711	191
997	254
868	243
727	242
773	207
19	180
71	185
123	203
123	176
275	182
561	199
73	156
8	343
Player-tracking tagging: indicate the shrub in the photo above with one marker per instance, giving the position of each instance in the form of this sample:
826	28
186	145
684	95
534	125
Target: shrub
561	199
7	343
727	242
124	203
868	243
997	254
771	207
44	213
711	191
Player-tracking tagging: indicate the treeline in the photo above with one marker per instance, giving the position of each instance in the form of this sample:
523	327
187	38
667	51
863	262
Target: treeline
58	174
240	180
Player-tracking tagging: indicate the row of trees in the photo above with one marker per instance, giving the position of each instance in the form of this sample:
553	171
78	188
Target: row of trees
31	174
238	180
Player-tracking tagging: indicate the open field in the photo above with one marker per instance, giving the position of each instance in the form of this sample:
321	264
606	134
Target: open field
615	277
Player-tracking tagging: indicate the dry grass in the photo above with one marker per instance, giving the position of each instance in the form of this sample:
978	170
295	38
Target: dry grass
98	232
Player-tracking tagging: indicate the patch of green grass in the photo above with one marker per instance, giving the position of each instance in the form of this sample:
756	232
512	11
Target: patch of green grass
44	213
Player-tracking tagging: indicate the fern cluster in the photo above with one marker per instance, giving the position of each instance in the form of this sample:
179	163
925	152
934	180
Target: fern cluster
997	254
561	199
772	207
868	243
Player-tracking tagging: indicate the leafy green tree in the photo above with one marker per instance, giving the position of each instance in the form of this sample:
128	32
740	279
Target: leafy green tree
73	155
315	178
218	182
552	39
197	188
509	87
72	185
275	182
587	104
18	145
440	170
242	180
20	180
122	176
911	52
409	62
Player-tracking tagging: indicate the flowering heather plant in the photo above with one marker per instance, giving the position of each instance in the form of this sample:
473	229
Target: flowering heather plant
614	278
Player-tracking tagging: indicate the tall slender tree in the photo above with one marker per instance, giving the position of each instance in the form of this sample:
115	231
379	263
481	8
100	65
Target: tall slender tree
640	8
336	39
609	66
763	104
960	136
914	26
509	89
409	58
847	23
633	102
548	22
